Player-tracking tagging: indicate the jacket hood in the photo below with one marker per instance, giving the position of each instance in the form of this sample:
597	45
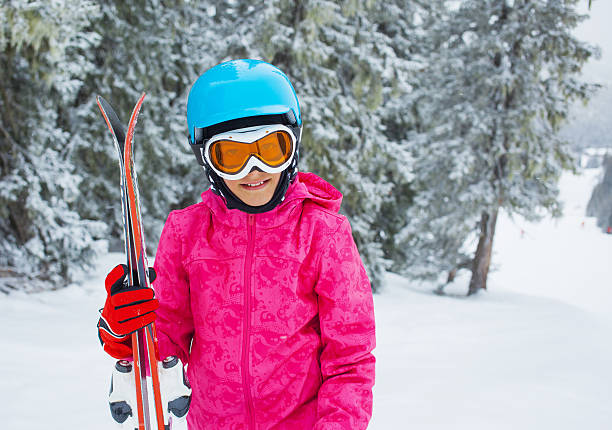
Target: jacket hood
306	187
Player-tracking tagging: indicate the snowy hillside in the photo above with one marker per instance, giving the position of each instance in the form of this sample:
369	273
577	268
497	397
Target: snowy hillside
532	353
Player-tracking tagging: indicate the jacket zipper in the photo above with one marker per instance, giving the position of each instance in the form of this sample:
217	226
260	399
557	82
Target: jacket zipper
248	262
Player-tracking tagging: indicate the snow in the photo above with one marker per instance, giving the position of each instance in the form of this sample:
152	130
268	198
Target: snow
532	352
578	261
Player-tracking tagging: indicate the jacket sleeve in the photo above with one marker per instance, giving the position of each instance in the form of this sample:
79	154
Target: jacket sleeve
346	313
174	321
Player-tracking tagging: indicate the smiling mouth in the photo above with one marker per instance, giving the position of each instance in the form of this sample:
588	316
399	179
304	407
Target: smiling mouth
255	185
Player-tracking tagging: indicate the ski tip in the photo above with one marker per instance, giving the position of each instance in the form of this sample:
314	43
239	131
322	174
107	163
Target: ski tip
102	104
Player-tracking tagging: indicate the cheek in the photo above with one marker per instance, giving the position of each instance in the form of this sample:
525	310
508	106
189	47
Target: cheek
276	179
232	185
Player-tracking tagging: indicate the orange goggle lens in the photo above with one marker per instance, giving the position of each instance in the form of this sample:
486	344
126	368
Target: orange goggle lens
231	156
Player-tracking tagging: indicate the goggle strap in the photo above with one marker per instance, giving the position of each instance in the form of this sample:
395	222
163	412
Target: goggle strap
202	134
197	149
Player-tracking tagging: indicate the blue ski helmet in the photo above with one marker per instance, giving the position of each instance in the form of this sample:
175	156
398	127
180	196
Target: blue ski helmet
238	94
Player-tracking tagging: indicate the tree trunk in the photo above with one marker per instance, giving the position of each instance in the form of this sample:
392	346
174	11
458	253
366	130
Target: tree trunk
482	259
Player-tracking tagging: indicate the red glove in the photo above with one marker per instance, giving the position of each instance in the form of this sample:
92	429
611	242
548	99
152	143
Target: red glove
127	309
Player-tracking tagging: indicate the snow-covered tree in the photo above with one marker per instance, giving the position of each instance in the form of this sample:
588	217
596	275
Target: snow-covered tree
498	84
160	49
347	72
407	24
600	203
42	237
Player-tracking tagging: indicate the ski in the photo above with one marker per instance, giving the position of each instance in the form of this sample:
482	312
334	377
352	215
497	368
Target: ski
144	341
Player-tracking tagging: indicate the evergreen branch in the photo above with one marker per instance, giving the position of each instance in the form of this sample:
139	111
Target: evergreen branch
15	145
3	156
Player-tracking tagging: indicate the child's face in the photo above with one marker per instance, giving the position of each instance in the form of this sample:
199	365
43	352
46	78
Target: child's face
260	188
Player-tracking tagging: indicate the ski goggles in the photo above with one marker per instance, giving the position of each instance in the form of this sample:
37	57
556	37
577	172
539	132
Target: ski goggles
233	154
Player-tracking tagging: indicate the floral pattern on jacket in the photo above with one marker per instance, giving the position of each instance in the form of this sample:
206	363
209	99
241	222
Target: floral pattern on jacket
272	312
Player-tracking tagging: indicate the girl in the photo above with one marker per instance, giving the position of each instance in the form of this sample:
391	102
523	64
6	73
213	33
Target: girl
260	288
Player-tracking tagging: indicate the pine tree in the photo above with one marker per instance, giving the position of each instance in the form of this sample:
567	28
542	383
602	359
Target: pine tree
42	237
159	49
347	73
407	24
600	202
495	91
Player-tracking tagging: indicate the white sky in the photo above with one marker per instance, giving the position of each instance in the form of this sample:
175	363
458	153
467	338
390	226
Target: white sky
591	123
598	30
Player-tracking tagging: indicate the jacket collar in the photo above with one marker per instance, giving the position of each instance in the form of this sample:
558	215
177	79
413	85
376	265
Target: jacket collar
306	186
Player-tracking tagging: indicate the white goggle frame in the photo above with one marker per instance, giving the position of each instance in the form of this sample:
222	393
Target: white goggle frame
250	135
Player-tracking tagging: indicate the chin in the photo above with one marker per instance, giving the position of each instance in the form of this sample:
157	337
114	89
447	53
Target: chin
258	202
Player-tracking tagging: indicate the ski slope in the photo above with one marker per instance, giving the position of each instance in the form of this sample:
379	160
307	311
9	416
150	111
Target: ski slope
533	352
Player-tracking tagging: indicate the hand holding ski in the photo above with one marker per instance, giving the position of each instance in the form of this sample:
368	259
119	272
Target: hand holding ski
127	308
144	341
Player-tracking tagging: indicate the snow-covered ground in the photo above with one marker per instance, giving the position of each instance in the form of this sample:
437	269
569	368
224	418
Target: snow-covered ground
534	352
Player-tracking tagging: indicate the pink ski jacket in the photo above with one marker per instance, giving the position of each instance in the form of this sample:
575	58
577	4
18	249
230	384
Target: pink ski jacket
273	313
